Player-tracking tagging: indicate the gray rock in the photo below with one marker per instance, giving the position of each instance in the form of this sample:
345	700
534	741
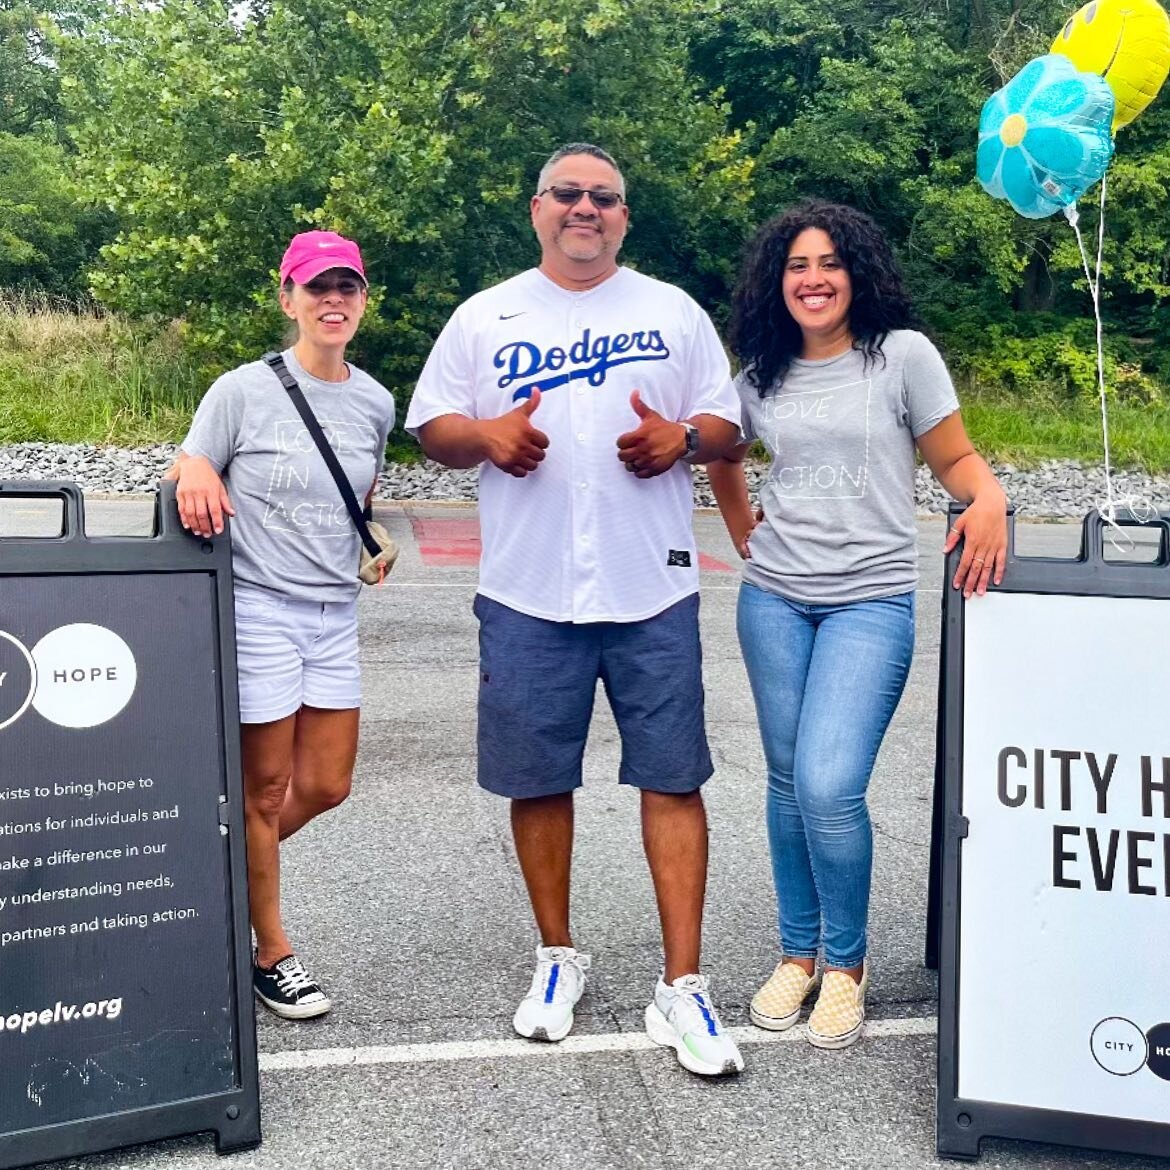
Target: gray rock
1055	489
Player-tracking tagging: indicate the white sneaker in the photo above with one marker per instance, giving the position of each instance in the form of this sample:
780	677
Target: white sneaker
546	1012
683	1017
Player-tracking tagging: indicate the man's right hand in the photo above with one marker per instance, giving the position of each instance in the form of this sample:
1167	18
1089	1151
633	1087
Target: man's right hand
511	442
203	500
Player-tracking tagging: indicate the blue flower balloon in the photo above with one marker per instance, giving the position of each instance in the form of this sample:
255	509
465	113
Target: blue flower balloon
1045	138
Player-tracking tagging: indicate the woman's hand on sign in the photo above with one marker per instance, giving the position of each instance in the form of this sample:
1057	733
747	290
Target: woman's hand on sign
203	500
983	530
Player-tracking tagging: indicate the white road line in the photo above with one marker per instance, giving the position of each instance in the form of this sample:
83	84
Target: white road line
457	1050
703	588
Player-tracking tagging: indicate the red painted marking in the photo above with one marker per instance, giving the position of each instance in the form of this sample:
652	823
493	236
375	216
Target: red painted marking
447	543
443	529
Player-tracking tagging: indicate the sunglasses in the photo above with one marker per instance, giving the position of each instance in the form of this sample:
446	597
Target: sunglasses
602	200
346	285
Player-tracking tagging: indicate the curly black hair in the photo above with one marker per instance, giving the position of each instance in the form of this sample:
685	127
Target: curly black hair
763	334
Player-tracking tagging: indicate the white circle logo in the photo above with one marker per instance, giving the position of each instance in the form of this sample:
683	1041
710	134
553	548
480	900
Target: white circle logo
85	675
1119	1046
18	679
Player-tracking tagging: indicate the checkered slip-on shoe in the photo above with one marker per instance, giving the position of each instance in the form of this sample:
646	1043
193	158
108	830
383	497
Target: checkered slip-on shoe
839	1016
776	1006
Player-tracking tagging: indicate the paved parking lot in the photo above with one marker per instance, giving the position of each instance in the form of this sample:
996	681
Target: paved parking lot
409	905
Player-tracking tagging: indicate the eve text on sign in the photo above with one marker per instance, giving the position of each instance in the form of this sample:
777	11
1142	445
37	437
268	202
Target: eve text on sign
1089	856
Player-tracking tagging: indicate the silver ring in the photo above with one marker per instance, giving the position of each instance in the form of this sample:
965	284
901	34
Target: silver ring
977	560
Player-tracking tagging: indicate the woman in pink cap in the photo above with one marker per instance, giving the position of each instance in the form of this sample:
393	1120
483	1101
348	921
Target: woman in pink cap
295	553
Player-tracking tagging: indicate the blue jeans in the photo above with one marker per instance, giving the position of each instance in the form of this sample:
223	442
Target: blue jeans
826	680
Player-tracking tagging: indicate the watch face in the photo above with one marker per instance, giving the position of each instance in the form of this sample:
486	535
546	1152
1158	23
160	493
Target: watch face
692	439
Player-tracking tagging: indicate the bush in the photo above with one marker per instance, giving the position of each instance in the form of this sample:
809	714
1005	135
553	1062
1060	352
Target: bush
1045	357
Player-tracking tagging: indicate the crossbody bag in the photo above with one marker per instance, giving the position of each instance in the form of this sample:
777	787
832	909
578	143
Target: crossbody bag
378	551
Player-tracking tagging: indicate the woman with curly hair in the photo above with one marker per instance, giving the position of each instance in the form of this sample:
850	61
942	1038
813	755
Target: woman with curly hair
841	390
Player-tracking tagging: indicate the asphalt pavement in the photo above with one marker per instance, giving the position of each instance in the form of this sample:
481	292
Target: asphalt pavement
408	904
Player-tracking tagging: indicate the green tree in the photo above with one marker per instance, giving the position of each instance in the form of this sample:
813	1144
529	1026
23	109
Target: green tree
213	131
48	233
418	129
46	236
28	81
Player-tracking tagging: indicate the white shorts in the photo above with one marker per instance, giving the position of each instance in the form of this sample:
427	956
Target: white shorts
291	653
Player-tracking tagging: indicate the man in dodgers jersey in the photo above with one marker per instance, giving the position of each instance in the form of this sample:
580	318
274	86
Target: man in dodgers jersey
582	390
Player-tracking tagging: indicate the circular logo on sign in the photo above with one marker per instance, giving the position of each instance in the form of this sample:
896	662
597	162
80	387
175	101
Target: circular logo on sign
1118	1046
85	675
18	679
1158	1039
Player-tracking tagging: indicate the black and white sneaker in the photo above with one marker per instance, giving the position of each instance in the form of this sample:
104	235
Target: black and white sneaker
287	989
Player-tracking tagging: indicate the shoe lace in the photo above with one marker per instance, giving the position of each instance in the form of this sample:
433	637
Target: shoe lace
292	976
693	1009
551	967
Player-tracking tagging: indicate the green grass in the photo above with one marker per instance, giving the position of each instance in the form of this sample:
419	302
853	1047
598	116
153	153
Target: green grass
72	375
77	375
1006	430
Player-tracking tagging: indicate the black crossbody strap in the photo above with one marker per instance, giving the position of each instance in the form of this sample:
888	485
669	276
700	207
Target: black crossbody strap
276	362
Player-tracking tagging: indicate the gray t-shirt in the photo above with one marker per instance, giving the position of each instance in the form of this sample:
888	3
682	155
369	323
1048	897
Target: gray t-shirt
839	497
291	532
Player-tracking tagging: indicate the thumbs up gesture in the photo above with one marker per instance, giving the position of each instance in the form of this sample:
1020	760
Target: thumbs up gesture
655	445
513	444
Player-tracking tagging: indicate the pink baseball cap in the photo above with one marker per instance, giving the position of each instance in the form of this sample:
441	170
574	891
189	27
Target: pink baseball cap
311	253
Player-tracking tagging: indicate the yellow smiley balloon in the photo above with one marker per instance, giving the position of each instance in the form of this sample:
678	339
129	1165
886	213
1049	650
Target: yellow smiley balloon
1128	43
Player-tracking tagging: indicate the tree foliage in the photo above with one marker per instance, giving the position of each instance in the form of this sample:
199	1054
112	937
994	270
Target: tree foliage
876	104
417	129
46	237
212	131
28	82
48	232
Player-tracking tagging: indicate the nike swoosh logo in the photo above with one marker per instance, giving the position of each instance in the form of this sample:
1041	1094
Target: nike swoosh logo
509	316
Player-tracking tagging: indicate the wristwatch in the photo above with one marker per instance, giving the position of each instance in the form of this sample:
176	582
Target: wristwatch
692	442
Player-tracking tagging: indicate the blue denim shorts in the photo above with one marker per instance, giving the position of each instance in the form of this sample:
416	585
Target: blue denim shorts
537	682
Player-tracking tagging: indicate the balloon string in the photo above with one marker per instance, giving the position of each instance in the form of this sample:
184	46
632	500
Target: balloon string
1139	509
1100	243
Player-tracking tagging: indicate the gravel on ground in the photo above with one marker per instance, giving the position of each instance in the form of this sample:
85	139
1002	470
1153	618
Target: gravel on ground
1055	489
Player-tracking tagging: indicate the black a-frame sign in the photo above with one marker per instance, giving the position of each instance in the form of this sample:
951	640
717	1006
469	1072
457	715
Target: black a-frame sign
126	1010
1053	898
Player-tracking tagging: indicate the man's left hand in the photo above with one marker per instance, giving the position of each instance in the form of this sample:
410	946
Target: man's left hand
655	446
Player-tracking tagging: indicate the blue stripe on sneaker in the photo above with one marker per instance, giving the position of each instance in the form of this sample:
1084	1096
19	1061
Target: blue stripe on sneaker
552	982
706	1015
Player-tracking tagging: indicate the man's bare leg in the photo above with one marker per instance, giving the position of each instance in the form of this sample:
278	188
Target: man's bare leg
542	829
674	834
